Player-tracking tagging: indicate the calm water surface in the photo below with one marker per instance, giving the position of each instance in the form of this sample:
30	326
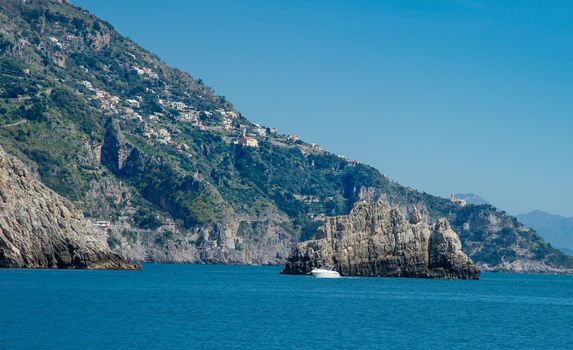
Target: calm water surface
240	307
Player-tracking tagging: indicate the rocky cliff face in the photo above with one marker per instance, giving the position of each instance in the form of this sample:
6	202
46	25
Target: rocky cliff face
239	240
40	229
377	240
153	153
235	237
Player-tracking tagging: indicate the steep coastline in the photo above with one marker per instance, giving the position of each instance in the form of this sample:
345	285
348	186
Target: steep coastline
157	158
377	240
40	229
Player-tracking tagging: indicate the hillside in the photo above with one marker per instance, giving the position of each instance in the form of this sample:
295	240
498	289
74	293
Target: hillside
40	229
172	172
556	229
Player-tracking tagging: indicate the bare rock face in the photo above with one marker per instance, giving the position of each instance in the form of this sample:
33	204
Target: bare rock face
115	150
40	229
377	240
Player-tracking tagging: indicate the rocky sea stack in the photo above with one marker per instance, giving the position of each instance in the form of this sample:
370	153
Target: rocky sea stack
377	240
40	229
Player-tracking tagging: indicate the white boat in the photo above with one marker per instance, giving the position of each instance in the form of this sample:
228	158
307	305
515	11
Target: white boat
324	273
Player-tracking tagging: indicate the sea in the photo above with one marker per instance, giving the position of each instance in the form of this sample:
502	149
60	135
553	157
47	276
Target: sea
254	307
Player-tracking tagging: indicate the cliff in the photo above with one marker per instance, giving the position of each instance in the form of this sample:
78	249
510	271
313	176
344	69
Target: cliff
377	240
153	152
40	229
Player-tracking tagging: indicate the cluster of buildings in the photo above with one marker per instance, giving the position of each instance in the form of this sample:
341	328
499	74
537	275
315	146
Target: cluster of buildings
316	146
145	72
350	161
248	141
259	130
227	114
227	124
64	42
163	137
293	137
457	201
224	120
190	116
108	101
177	105
186	113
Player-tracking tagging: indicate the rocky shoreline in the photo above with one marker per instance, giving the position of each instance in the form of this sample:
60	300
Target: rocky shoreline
40	229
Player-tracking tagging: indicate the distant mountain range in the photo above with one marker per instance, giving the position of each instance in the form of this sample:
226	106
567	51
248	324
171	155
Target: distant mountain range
556	229
471	198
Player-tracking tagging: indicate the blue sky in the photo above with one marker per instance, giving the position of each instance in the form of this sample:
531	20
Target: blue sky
443	96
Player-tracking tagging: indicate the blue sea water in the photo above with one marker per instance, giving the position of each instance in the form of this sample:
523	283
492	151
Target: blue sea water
242	307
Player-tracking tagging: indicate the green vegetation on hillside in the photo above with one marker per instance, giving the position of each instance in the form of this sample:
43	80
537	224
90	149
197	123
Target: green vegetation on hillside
91	110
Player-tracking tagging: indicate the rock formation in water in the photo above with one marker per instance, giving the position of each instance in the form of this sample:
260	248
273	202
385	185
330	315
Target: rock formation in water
40	229
377	240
